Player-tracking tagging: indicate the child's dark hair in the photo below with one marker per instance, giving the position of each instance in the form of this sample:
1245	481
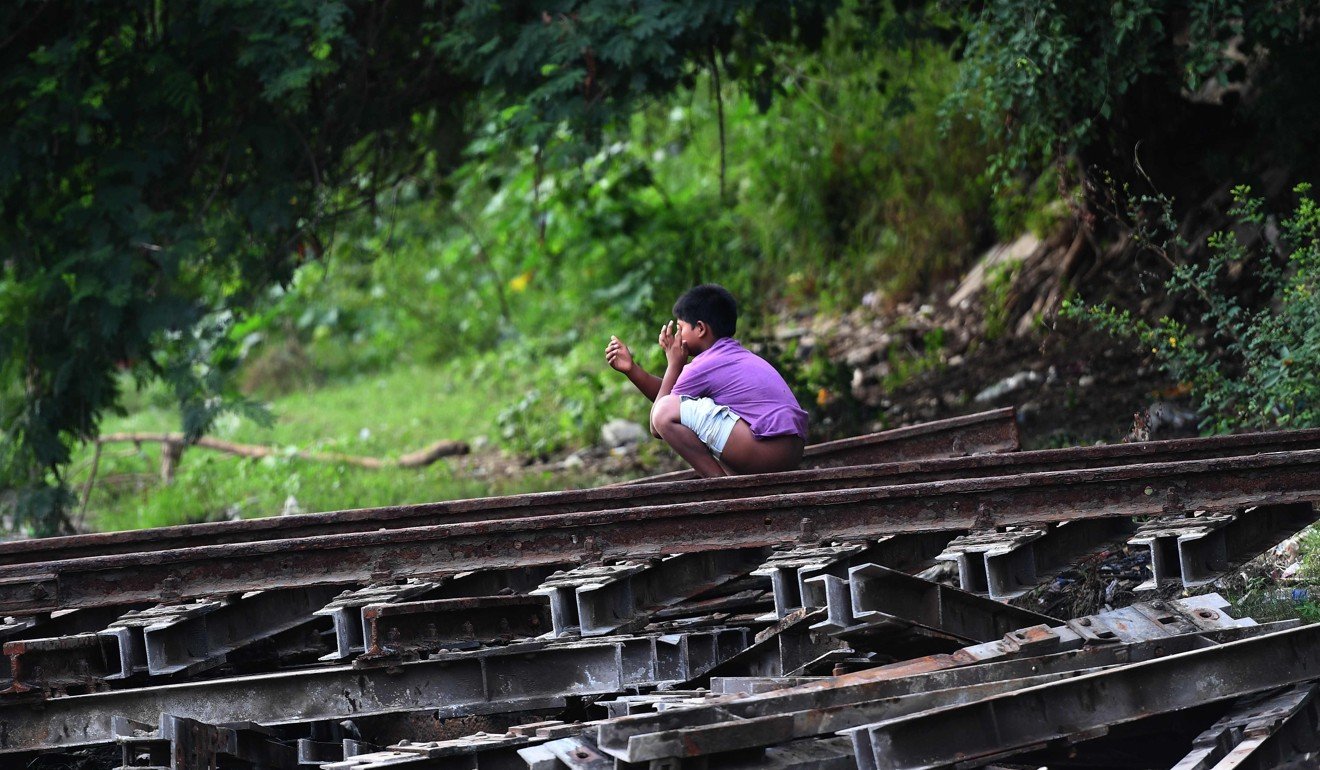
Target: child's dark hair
711	303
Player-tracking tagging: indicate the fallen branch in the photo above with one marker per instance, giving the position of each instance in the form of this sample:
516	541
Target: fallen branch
173	444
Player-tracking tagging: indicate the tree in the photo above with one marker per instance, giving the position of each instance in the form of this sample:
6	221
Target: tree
1185	95
163	164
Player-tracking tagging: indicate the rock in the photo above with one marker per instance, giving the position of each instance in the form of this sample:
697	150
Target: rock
291	507
573	461
1085	381
479	443
1011	253
618	433
1008	385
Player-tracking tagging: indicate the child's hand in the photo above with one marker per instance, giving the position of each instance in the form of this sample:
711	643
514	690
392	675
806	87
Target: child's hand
618	356
672	344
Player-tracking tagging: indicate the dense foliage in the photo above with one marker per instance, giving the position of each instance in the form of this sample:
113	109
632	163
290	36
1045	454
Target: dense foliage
1179	94
1255	365
302	191
161	164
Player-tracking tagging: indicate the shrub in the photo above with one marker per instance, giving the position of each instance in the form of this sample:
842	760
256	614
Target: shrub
1253	364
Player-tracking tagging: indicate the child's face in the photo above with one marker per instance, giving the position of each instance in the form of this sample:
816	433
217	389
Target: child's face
689	335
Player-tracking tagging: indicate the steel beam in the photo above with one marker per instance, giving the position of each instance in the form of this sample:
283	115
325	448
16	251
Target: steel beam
789	569
528	675
64	622
57	666
1005	565
409	629
1138	490
1197	549
618	497
880	597
599	600
1260	733
351	627
187	744
1133	634
994	431
187	638
1088	705
481	751
784	648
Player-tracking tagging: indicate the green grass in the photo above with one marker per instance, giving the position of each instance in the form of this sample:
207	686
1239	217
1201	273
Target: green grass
396	412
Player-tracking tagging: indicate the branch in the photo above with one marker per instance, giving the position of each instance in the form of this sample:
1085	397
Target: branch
174	444
719	111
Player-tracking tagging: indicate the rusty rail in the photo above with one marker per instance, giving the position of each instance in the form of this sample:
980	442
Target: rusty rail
979	503
972	434
988	430
619	497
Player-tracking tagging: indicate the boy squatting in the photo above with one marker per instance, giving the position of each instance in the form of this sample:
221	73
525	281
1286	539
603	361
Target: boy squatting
726	412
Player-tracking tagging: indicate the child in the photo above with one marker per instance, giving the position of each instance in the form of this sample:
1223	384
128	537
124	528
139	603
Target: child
728	411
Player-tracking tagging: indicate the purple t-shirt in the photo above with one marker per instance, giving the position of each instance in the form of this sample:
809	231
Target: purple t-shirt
733	376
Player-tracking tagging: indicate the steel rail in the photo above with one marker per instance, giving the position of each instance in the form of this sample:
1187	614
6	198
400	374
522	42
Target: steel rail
1090	704
997	429
618	497
982	503
533	674
984	432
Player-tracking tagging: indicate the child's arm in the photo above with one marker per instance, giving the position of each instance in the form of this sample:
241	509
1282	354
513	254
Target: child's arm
618	356
675	356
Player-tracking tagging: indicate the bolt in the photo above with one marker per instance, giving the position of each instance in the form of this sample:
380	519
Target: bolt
1084	622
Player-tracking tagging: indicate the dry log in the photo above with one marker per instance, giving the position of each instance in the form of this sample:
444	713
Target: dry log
173	445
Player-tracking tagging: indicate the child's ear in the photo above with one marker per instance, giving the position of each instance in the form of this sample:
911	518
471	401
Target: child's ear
702	329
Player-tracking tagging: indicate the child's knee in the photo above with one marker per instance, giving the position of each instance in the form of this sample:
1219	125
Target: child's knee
666	412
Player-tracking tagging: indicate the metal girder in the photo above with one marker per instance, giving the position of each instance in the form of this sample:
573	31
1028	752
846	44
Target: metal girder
599	600
527	675
618	497
315	753
192	637
351	626
64	622
1197	549
346	612
492	508
785	647
78	663
409	629
1005	565
740	735
974	434
1261	733
187	744
788	569
481	751
1110	638
878	600
1088	705
1228	483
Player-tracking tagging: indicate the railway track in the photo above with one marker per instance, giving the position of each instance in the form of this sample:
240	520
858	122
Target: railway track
750	622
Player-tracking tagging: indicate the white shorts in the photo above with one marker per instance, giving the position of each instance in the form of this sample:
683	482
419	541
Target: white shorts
711	422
